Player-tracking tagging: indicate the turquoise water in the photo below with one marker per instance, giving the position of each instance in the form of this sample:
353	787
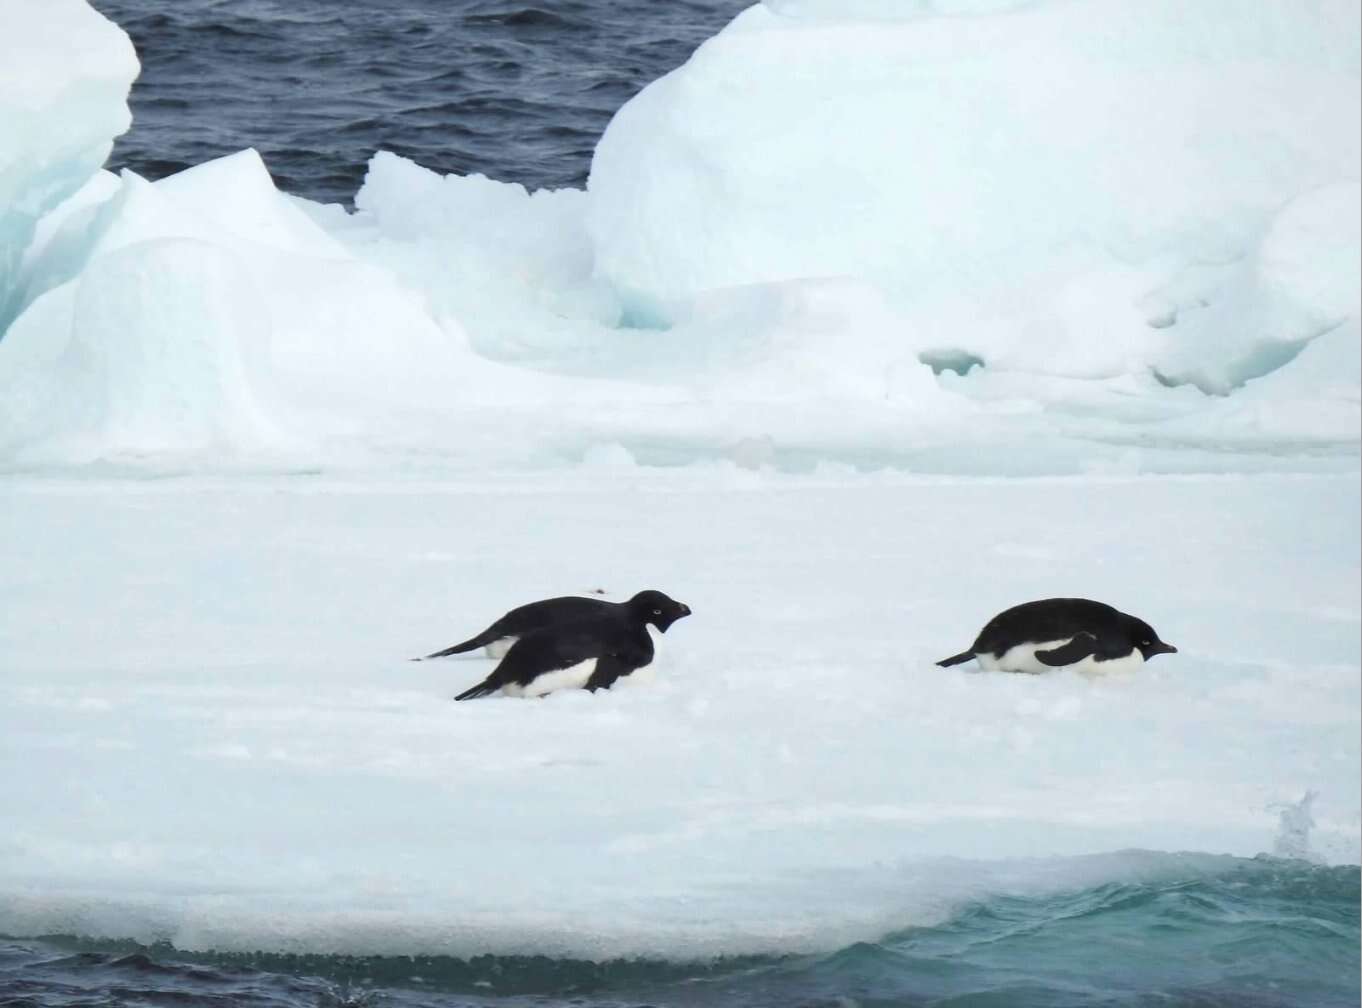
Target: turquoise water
1263	932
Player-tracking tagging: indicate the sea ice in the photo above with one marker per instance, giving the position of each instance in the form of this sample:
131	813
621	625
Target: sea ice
211	734
64	77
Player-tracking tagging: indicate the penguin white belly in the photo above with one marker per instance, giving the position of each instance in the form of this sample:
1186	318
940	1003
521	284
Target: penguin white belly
1022	658
498	648
1092	665
572	677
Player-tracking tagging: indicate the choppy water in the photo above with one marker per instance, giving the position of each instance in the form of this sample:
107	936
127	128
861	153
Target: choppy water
1263	933
517	91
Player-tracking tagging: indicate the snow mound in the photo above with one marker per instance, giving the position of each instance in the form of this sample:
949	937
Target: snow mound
513	267
1300	280
56	127
154	363
1019	182
243	328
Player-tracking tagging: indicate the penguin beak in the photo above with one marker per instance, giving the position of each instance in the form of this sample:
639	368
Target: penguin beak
1161	648
685	610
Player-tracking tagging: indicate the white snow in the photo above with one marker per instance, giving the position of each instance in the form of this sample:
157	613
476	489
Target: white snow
64	76
210	724
1026	187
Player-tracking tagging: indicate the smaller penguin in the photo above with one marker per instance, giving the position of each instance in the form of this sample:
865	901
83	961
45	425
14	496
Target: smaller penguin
497	639
1069	633
589	653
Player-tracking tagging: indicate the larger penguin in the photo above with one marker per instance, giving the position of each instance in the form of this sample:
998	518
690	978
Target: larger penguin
588	653
498	638
1072	633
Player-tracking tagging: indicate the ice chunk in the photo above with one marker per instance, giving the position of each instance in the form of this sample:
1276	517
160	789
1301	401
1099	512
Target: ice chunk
1313	401
65	71
154	363
309	336
513	267
1302	279
1018	181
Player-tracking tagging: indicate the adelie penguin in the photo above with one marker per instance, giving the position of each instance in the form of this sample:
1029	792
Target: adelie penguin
1063	633
497	639
589	653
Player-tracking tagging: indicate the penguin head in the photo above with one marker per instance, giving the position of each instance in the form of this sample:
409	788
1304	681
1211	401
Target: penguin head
658	609
1142	635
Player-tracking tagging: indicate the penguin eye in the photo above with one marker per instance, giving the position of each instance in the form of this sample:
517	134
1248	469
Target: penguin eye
657	612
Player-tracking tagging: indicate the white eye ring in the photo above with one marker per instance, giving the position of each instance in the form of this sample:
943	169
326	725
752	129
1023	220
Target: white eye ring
657	612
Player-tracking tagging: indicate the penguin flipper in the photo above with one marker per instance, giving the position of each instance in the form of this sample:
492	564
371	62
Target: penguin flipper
482	689
496	679
959	659
530	656
1082	646
608	668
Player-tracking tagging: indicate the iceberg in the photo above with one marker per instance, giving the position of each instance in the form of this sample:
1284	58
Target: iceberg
207	316
1020	182
58	115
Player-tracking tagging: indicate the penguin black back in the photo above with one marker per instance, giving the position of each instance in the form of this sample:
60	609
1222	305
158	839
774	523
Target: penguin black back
590	653
545	613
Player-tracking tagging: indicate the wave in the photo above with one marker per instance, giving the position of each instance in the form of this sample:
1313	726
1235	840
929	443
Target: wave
1251	933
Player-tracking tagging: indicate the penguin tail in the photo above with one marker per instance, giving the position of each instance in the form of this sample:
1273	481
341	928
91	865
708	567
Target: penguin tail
472	644
958	659
482	689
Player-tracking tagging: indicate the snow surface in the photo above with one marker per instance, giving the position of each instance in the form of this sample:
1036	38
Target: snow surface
210	724
64	77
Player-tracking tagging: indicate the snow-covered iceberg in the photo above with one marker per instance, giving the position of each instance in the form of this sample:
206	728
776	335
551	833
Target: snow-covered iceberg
1047	166
64	77
207	315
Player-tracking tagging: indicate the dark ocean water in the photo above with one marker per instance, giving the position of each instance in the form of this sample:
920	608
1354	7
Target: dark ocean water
517	91
1260	933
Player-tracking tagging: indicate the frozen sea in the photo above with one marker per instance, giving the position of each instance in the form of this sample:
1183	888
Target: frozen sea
223	783
226	761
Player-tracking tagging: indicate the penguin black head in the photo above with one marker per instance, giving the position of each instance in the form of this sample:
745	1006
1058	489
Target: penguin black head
656	608
1142	635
